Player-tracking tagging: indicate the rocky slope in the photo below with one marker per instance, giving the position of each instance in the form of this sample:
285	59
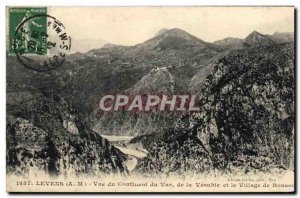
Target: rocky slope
246	122
256	39
250	104
158	80
45	133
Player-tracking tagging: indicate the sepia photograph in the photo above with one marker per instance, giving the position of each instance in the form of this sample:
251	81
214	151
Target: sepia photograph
196	99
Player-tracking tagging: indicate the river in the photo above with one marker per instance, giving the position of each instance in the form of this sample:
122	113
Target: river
134	155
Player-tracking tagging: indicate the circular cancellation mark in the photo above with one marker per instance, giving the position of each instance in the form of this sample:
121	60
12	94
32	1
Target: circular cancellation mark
41	43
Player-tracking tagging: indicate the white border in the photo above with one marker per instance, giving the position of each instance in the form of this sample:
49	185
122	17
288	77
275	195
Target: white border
4	3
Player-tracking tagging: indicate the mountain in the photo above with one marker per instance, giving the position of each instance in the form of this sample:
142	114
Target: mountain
250	104
174	39
167	63
254	39
161	31
229	42
282	37
246	121
257	39
158	80
114	68
197	83
173	47
46	134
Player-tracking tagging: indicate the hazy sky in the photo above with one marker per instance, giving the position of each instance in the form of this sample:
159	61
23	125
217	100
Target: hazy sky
132	25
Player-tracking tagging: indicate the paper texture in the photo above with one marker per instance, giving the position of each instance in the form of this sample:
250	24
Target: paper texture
150	99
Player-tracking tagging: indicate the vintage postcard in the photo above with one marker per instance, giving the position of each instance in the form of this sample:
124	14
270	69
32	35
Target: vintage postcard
150	99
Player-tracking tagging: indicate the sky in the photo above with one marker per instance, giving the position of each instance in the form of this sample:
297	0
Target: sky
133	25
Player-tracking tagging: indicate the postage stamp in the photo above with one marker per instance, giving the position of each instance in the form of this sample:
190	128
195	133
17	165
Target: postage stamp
27	39
39	41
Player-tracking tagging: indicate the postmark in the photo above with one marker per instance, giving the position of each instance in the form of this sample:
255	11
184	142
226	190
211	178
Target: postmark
41	42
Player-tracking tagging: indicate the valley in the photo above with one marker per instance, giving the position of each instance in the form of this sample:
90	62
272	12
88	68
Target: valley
246	88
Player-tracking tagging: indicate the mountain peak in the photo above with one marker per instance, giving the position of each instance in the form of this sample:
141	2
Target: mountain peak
161	31
257	39
173	39
179	35
177	32
255	33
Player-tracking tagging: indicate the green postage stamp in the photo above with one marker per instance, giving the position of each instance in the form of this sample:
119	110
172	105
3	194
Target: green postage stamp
38	40
27	33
